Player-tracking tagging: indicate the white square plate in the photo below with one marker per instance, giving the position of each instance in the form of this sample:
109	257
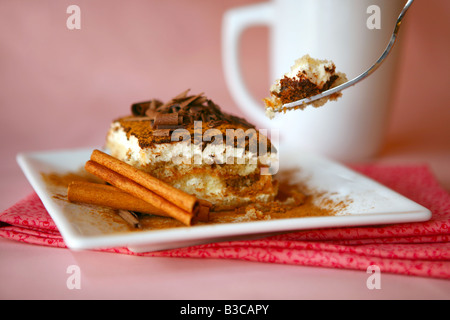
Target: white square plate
371	204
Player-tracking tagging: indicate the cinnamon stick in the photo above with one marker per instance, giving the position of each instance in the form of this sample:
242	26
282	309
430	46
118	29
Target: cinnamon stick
109	196
126	184
179	198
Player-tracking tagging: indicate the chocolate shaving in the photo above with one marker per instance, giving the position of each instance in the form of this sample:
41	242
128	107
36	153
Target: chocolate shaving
166	118
140	108
154	104
174	108
195	109
182	111
151	113
190	100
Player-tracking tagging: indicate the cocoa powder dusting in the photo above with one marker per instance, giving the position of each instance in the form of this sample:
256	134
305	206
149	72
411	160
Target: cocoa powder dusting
294	200
106	219
183	111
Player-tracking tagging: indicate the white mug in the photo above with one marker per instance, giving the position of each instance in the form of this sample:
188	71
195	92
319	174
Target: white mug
351	33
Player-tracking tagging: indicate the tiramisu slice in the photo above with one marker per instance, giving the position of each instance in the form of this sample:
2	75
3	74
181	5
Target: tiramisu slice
192	145
306	78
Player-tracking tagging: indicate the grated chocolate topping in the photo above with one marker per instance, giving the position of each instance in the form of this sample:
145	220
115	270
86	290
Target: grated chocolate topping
189	108
154	121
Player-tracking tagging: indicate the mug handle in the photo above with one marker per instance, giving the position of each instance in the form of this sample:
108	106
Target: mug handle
234	22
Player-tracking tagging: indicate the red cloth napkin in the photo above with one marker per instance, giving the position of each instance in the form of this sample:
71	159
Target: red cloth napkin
420	249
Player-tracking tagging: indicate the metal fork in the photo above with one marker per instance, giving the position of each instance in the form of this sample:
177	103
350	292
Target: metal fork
363	75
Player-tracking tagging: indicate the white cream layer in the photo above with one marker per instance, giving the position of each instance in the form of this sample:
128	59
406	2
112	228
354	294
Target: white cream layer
129	150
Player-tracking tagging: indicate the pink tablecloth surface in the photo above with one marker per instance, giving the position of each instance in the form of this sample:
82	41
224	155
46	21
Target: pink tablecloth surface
416	249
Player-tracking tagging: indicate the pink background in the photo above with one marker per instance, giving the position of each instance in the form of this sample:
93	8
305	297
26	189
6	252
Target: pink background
61	88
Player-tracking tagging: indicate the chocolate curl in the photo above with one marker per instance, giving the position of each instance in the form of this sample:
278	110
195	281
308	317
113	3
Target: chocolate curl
139	109
165	122
166	119
142	108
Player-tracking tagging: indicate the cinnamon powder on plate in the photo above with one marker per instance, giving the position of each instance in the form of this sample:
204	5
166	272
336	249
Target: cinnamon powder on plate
294	200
